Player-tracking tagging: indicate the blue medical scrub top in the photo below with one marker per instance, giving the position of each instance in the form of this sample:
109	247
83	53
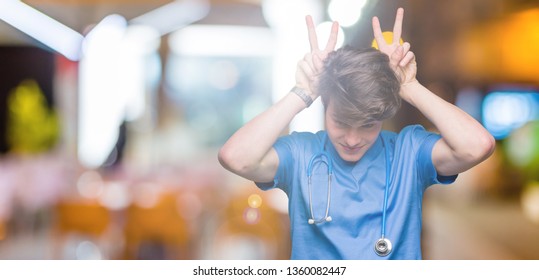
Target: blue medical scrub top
357	194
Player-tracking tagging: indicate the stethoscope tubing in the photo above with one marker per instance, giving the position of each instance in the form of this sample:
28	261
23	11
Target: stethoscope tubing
388	168
329	164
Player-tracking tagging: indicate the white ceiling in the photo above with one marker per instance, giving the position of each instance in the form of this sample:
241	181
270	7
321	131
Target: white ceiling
81	14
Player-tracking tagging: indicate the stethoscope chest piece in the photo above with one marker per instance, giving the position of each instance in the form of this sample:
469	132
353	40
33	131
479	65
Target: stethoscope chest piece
383	247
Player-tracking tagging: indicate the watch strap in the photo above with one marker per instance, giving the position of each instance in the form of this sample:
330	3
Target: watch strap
303	95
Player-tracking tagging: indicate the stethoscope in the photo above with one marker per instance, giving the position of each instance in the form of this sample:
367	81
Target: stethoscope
382	246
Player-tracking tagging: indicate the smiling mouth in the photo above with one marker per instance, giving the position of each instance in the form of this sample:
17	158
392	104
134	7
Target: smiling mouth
351	149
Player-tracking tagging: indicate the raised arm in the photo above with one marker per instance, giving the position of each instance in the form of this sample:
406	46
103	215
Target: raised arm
464	142
249	152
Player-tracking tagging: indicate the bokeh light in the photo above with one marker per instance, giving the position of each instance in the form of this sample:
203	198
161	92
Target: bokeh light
346	12
504	111
251	215
90	184
190	206
115	196
530	201
254	201
388	37
223	74
87	250
522	146
323	30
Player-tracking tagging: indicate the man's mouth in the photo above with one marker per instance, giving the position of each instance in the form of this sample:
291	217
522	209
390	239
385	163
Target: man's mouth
350	149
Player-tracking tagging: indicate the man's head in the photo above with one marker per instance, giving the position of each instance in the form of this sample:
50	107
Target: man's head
359	91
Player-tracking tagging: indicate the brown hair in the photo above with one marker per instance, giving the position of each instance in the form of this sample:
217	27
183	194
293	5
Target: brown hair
361	84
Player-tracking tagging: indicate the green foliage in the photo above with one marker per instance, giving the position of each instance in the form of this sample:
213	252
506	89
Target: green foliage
32	127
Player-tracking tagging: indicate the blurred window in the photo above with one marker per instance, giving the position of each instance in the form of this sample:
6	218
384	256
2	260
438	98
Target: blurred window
219	77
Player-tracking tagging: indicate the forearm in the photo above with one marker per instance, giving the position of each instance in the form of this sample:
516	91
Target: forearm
244	152
466	138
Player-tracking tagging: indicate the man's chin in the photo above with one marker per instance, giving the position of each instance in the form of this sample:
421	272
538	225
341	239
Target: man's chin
350	158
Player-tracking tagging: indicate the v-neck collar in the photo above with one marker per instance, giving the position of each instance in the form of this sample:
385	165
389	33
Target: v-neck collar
364	161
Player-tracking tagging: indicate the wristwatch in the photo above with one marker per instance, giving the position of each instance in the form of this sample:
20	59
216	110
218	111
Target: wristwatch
303	95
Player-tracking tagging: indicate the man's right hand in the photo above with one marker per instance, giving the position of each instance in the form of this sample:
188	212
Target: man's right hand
312	63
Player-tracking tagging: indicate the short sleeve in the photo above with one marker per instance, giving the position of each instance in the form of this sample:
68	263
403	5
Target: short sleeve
284	146
427	170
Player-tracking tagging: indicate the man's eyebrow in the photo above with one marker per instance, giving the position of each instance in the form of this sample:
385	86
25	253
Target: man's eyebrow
338	119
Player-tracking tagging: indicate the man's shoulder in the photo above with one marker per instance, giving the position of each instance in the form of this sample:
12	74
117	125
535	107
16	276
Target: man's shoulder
414	136
407	135
411	129
307	136
415	131
302	140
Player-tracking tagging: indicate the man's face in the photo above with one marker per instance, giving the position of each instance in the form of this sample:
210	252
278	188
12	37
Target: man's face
351	141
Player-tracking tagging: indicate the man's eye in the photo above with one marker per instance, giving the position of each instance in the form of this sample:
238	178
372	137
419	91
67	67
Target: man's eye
369	125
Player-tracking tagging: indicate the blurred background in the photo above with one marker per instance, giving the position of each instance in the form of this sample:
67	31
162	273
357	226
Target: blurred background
112	113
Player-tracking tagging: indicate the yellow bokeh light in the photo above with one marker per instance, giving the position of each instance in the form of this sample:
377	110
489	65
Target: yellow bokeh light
254	201
530	201
388	37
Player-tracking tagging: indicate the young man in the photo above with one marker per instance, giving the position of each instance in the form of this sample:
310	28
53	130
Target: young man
355	191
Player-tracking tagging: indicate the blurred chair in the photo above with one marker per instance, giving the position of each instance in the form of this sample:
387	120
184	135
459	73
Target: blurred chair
156	232
3	230
249	228
84	220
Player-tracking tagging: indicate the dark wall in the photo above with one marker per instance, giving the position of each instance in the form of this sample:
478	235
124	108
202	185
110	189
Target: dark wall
18	63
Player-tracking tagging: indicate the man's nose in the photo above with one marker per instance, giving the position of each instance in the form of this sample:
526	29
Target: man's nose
352	137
